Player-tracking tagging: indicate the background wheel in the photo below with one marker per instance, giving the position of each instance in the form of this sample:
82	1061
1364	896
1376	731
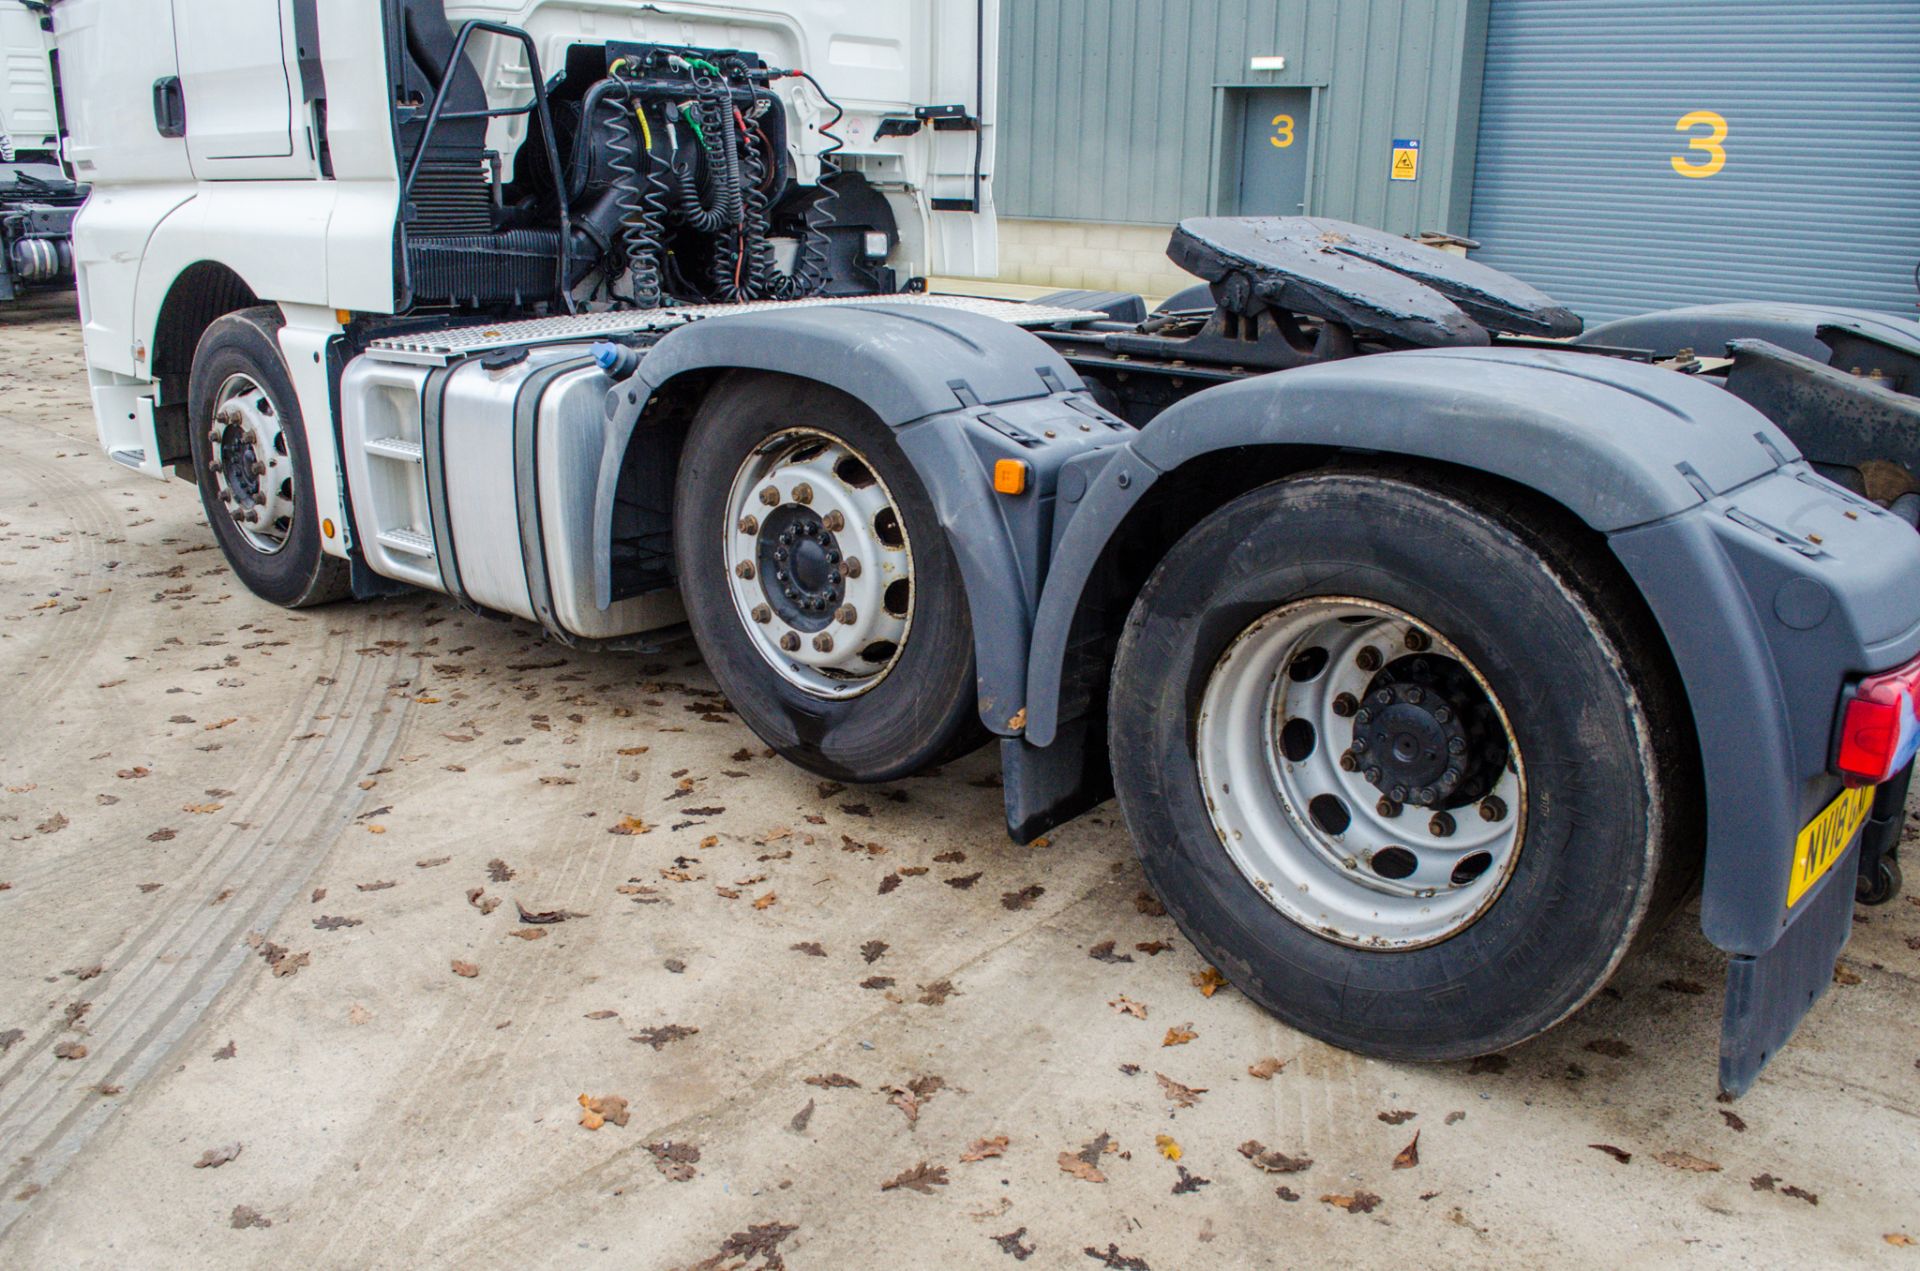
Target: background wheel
250	458
1878	885
819	582
1399	762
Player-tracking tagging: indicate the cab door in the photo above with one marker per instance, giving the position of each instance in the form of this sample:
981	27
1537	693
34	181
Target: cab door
238	81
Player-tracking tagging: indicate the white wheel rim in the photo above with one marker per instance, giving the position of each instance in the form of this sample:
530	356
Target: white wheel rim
253	473
819	563
1352	883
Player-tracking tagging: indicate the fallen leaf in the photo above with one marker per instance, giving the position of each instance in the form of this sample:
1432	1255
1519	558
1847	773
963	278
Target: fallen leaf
1181	1096
1898	1239
1127	1006
872	950
922	1178
1084	1164
431	862
70	1050
373	886
529	933
1358	1203
1408	1156
545	915
466	969
499	871
1209	981
833	1081
1843	974
937	992
478	898
629	825
1189	1182
1024	898
1103	952
1179	1035
877	982
598	1111
888	883
1116	1260
358	1014
1618	1154
659	1037
1168	1148
981	1149
1153	948
812	948
57	822
799	1122
1266	1069
602	1014
1398	1117
225	1052
1148	904
766	901
1673	1158
1733	1120
1011	1243
330	922
245	1216
1273	1162
215	1157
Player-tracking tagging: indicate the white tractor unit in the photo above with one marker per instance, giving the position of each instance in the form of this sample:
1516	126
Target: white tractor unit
1435	655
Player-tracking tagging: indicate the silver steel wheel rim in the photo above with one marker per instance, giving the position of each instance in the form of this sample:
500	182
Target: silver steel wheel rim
253	472
819	563
1260	789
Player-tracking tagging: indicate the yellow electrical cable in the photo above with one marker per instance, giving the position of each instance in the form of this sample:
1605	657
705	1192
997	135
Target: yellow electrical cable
646	129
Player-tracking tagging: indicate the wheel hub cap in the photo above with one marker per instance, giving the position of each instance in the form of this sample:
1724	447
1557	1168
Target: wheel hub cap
819	563
1361	774
253	473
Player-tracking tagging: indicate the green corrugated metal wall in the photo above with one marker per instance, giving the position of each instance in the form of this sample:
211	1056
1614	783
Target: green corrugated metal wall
1111	110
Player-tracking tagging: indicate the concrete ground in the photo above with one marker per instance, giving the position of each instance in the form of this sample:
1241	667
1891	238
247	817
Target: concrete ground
267	996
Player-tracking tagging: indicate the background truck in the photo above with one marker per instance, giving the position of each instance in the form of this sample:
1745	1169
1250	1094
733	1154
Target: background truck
1435	659
37	200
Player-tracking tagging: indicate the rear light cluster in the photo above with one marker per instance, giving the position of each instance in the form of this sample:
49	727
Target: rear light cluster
1880	726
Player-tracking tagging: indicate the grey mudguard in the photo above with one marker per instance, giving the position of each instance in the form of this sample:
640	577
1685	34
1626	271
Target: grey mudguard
1706	504
1707	329
962	390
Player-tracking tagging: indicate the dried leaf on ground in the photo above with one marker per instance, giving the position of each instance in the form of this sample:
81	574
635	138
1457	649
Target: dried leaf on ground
1147	903
1181	1096
767	901
981	1149
1127	1006
1189	1182
1399	1116
1619	1154
833	1081
1209	981
1167	1145
70	1050
872	950
596	1111
215	1157
245	1216
1733	1120
465	969
1011	1243
629	825
964	881
888	883
1024	898
812	948
1408	1156
1179	1035
1085	1163
478	898
1266	1069
661	1036
333	922
922	1178
227	1051
1273	1162
1358	1203
937	992
799	1122
431	862
1112	1257
545	916
1103	952
675	1160
529	933
1673	1158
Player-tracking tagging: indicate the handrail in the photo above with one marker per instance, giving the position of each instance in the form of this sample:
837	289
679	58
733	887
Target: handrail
537	107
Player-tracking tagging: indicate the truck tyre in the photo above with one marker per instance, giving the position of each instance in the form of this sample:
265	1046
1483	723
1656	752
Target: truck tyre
819	582
1397	760
250	459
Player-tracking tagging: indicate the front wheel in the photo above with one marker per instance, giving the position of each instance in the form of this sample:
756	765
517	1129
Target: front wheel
1399	762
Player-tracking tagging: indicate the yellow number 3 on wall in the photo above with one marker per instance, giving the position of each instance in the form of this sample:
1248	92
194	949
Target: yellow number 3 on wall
1716	127
1282	131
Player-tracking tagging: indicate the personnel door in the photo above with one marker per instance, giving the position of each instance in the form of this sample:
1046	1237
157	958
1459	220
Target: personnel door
238	87
1267	155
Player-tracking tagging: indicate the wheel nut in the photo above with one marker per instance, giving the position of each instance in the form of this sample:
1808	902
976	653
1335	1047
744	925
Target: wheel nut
770	497
790	642
823	642
1441	826
1398	793
852	567
1360	745
1427	796
1388	807
762	614
1493	808
1373	774
1456	745
1416	695
1442	715
846	614
834	521
1362	716
1418	640
1368	659
744	569
749	524
803	493
1345	705
1348	761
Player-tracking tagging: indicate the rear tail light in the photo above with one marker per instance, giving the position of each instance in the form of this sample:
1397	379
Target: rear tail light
1880	726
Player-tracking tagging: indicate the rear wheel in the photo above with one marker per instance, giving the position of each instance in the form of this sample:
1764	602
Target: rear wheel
250	459
819	583
1398	762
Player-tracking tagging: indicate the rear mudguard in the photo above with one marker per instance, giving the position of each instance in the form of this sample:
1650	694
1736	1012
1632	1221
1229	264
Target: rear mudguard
1809	330
1770	584
962	391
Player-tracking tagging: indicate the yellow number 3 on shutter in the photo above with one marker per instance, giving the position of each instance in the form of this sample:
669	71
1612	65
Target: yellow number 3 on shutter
1282	132
1716	153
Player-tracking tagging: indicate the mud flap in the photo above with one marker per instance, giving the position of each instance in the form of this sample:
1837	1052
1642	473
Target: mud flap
1047	786
1768	995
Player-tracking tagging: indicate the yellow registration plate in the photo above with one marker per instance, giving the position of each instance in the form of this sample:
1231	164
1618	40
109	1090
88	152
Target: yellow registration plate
1826	839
